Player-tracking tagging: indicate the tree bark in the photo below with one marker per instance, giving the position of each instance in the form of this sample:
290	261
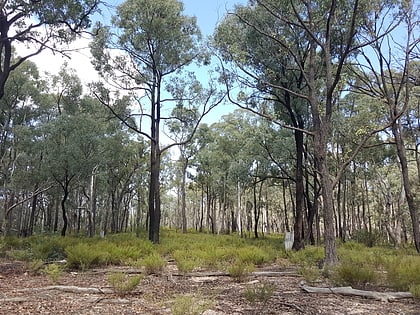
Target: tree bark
299	239
412	207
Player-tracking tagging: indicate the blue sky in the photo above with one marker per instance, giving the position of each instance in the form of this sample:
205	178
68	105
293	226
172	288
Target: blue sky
209	12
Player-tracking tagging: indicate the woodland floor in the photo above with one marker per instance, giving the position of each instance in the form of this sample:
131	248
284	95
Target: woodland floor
24	293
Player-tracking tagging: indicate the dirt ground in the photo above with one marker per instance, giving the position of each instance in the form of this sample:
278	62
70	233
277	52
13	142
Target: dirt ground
22	292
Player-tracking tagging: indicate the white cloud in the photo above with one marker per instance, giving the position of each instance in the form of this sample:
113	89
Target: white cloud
78	59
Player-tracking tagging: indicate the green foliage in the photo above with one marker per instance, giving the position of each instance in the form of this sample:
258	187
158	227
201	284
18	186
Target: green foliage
368	238
190	305
309	273
20	254
403	272
83	256
153	263
54	272
309	256
415	290
122	283
359	265
240	270
48	248
36	266
260	293
354	273
13	242
185	262
252	255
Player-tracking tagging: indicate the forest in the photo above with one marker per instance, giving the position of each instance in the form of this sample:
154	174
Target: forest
324	142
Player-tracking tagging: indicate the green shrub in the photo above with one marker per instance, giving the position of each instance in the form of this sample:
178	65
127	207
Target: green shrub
353	273
252	255
48	249
403	272
13	242
36	266
54	272
20	254
260	293
185	262
368	238
153	263
240	270
309	273
189	305
83	256
415	290
122	283
309	256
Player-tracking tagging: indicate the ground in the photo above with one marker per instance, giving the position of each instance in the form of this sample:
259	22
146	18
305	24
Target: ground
23	292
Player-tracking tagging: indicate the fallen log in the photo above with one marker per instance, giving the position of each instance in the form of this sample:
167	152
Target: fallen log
70	289
380	296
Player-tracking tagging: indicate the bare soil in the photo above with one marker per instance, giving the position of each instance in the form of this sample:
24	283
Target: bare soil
22	292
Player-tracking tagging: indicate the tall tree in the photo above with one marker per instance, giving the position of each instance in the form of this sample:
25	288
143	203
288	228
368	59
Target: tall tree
40	25
319	37
388	75
149	43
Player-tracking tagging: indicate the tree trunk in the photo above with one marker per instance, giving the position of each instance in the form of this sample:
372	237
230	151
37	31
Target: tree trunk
401	152
32	214
63	210
154	195
299	240
183	193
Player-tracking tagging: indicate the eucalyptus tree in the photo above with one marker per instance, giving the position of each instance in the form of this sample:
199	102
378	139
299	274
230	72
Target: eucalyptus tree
235	165
387	75
122	159
181	131
17	117
69	136
313	41
40	25
143	52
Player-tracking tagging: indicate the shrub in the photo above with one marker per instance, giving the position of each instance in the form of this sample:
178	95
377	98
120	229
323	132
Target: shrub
260	293
54	272
189	305
309	273
415	290
185	261
35	266
83	256
368	238
309	256
48	249
353	273
122	283
153	263
252	255
240	270
403	272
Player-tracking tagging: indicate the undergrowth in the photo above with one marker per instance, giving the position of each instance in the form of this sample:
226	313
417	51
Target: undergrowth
360	265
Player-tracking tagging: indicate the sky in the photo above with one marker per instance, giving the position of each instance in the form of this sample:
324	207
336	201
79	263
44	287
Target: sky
207	12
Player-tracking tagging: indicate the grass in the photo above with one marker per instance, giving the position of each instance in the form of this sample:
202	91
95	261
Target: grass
187	304
122	283
360	265
259	293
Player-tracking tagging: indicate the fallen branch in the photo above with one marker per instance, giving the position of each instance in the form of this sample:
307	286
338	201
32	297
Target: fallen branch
381	296
275	273
17	299
226	274
70	289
